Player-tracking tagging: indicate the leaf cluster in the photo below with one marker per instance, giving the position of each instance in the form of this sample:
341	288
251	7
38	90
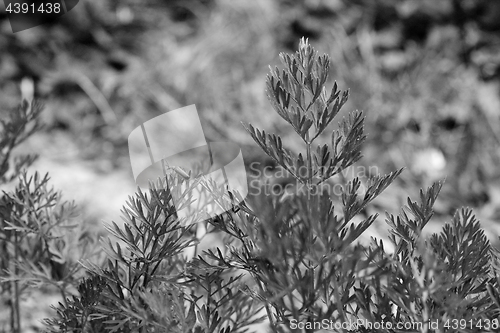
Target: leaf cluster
288	258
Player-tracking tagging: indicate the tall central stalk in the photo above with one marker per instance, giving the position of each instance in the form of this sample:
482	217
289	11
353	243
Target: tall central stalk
309	212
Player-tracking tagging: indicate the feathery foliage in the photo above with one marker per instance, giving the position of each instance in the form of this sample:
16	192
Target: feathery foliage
295	262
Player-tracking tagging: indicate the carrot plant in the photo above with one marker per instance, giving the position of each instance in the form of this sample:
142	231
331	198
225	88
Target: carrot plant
291	262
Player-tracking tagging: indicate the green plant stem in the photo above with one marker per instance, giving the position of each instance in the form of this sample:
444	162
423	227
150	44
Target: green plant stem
269	312
268	309
16	308
309	211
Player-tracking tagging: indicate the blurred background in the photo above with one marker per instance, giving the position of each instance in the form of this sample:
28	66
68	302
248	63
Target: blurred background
425	72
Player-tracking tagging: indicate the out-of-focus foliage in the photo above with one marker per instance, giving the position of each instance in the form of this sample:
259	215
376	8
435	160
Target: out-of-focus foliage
39	246
426	73
294	257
